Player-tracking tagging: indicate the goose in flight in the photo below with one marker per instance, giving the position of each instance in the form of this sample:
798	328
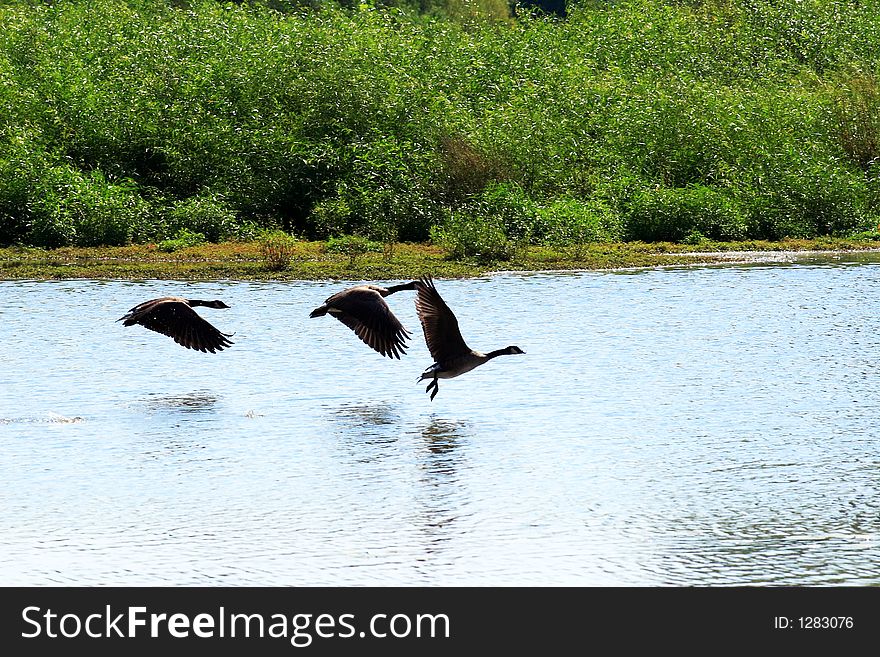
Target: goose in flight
363	309
452	356
175	317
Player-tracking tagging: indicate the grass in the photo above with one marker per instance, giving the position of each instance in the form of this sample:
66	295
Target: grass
312	261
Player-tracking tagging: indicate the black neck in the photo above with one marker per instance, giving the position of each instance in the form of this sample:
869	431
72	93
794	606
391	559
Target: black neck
497	352
403	286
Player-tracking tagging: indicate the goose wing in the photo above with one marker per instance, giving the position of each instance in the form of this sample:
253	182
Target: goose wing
176	319
439	324
365	312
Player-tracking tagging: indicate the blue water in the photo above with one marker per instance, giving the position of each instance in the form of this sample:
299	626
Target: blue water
691	426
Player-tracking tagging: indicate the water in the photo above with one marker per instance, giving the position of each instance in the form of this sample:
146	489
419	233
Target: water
705	426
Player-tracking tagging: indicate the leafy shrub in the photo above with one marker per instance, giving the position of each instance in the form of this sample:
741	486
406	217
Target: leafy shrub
671	214
330	217
352	245
476	10
512	206
130	120
856	101
466	170
478	237
808	201
207	215
277	249
383	193
70	207
570	221
247	231
183	240
347	244
20	169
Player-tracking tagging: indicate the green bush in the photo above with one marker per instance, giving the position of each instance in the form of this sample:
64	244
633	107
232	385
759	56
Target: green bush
807	202
856	102
670	214
330	217
183	240
348	244
465	169
476	237
132	120
353	246
21	165
381	193
69	207
570	221
277	249
208	215
512	206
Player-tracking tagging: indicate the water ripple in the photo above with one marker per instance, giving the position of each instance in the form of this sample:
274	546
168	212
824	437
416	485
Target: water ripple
688	426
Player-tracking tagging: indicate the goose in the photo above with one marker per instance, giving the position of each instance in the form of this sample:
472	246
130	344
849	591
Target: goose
363	309
175	317
452	356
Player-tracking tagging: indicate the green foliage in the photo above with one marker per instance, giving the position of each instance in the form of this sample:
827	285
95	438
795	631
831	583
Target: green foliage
509	204
69	206
277	249
399	120
674	214
856	98
381	193
814	199
183	240
208	215
475	237
468	11
351	245
466	170
571	221
20	170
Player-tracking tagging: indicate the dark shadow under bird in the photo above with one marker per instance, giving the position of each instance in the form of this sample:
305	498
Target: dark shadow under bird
363	309
175	317
452	356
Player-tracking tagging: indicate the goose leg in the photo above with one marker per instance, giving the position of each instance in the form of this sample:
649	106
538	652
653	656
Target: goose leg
433	385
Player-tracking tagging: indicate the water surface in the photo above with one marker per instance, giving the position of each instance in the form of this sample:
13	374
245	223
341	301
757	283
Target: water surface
704	426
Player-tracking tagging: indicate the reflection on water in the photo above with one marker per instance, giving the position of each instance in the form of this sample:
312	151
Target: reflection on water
194	402
366	416
441	439
440	498
367	431
696	426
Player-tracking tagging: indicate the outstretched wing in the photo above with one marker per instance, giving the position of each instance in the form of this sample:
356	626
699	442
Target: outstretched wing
439	324
174	318
366	313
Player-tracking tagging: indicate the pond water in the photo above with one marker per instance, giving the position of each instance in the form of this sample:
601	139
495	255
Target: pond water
666	427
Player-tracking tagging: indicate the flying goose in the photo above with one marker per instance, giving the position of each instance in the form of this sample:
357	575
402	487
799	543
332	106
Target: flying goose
451	355
363	309
175	317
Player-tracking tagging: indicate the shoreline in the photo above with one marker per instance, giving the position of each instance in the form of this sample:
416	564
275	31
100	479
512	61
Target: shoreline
719	259
309	260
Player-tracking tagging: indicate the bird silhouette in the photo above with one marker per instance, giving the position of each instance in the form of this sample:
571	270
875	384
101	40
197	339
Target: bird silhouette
363	309
175	317
452	356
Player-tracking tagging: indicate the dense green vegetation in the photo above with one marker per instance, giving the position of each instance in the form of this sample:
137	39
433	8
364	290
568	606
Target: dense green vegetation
145	121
